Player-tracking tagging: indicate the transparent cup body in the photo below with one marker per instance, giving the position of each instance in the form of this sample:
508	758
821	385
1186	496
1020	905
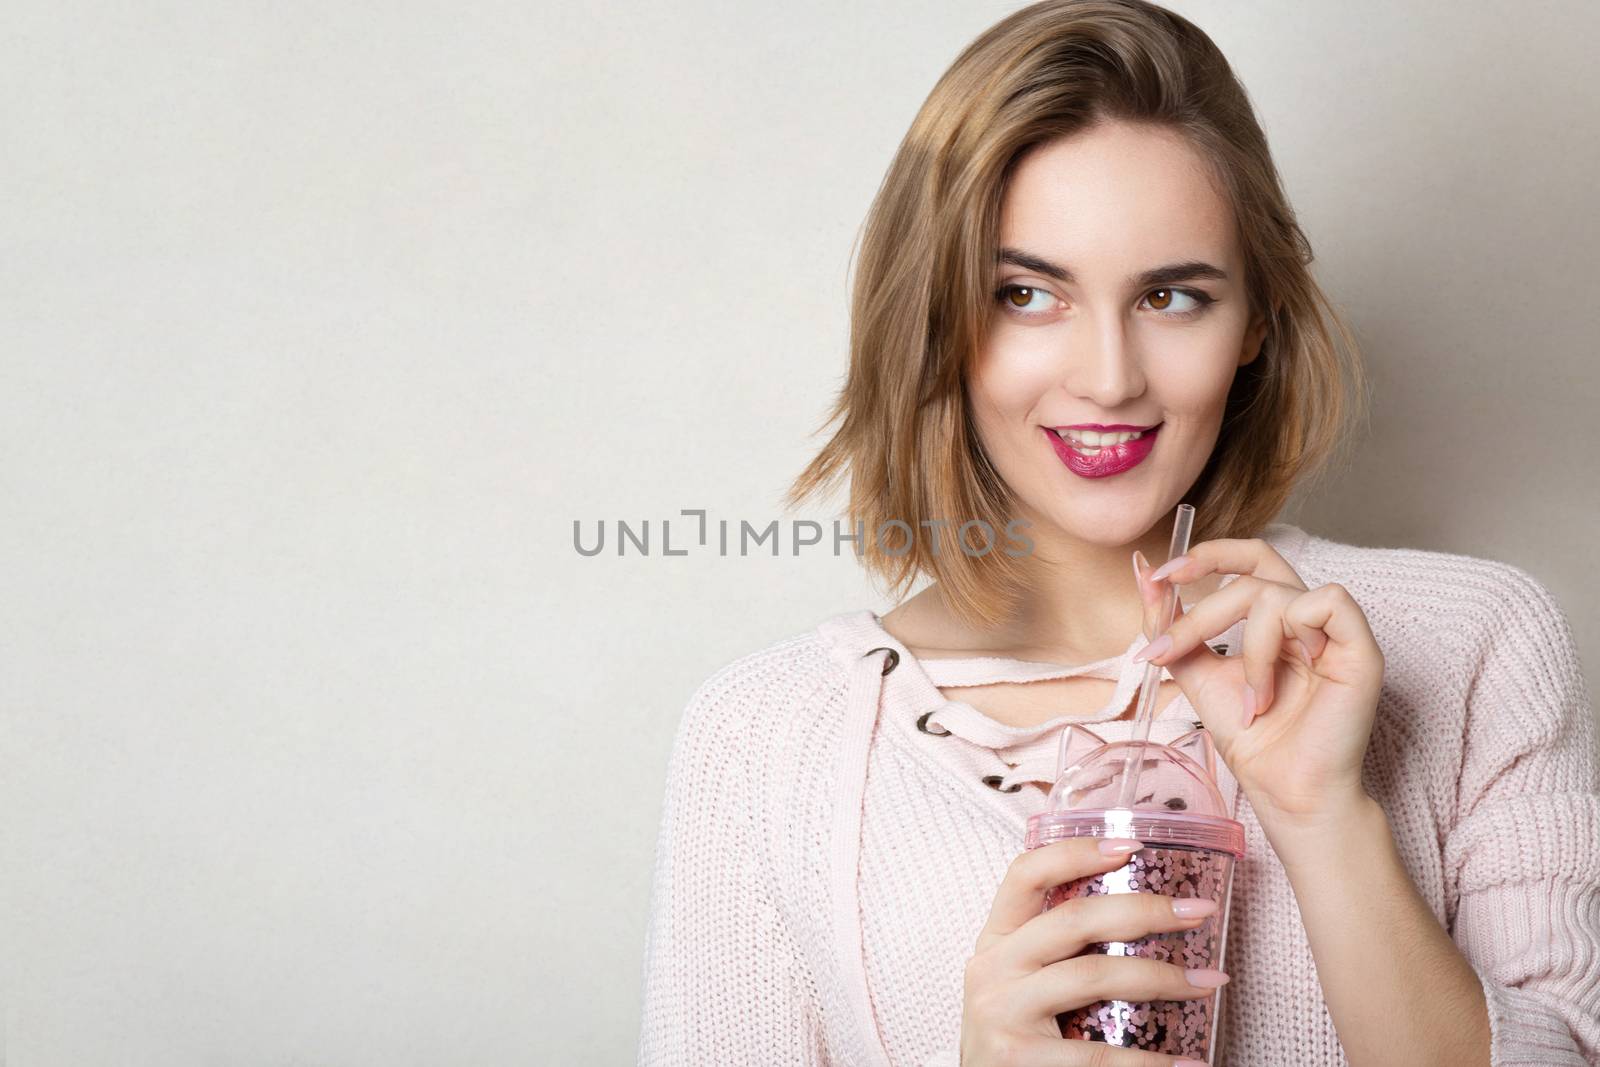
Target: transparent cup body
1194	858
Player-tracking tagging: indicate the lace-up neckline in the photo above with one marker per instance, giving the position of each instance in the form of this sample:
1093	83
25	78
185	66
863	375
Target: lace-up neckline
1030	751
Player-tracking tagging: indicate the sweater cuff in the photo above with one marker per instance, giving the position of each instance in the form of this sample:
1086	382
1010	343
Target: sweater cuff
945	1057
1523	1032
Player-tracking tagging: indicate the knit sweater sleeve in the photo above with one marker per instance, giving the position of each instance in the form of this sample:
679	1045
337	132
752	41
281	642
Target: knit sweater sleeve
724	981
1523	855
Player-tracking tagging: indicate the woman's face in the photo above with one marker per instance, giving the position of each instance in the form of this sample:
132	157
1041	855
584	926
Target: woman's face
1120	300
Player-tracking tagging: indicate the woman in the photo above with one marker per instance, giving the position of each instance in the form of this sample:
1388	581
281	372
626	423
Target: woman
1084	227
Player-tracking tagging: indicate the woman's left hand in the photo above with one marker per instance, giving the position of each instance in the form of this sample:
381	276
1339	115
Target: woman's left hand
1290	715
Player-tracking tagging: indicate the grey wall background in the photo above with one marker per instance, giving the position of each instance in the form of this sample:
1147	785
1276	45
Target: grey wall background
323	322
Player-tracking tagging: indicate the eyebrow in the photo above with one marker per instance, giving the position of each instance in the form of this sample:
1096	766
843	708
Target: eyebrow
1189	270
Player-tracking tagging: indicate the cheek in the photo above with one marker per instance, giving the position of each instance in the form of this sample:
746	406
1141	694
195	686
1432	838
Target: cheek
1009	380
1192	389
1194	376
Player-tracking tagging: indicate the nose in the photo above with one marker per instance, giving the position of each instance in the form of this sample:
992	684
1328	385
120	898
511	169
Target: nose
1103	365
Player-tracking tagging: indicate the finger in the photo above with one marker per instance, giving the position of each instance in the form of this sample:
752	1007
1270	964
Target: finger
1261	647
1149	592
1152	595
1244	556
1349	646
1083	980
1073	925
1299	648
1213	615
1054	1052
1310	638
1020	896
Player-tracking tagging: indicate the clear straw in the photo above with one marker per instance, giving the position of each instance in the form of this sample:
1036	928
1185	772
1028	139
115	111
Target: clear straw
1134	761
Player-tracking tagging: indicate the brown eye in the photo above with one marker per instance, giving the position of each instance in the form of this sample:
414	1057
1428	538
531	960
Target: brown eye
1018	301
1162	300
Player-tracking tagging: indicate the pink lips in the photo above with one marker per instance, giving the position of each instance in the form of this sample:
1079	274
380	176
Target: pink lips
1111	459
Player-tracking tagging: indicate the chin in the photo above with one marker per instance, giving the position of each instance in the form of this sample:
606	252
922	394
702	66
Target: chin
1106	527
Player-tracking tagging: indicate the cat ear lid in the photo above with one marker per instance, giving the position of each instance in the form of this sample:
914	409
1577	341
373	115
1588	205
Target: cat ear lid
1179	776
1076	743
1198	746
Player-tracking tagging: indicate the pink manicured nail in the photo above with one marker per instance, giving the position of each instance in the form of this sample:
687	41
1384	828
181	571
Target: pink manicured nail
1153	649
1192	907
1168	567
1205	977
1249	706
1119	846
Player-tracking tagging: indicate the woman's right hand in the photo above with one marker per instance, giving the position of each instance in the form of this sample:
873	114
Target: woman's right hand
1026	968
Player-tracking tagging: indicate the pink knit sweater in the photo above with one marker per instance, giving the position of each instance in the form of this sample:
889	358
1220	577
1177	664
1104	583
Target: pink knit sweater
829	848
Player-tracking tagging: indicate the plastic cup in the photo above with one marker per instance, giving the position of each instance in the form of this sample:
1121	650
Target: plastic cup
1190	848
1177	867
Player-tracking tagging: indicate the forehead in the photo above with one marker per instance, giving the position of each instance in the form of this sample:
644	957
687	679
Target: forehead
1117	198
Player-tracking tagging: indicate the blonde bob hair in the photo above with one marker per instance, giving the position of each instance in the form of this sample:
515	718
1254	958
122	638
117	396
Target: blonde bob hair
921	298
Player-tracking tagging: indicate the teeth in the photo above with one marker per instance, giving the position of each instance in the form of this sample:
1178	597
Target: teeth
1096	439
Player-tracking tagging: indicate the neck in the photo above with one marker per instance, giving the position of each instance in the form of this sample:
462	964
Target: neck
1080	603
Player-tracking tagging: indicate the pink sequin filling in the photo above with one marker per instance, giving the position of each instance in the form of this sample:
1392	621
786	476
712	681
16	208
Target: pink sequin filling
1172	1027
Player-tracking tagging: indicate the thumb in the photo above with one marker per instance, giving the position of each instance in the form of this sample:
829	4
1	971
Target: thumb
1190	671
1151	595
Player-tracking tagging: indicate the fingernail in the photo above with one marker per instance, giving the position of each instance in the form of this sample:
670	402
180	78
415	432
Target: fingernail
1168	567
1153	649
1119	846
1148	593
1192	907
1249	706
1205	977
1300	650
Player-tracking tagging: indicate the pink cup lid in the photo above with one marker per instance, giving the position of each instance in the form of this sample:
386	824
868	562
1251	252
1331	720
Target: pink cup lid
1178	801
